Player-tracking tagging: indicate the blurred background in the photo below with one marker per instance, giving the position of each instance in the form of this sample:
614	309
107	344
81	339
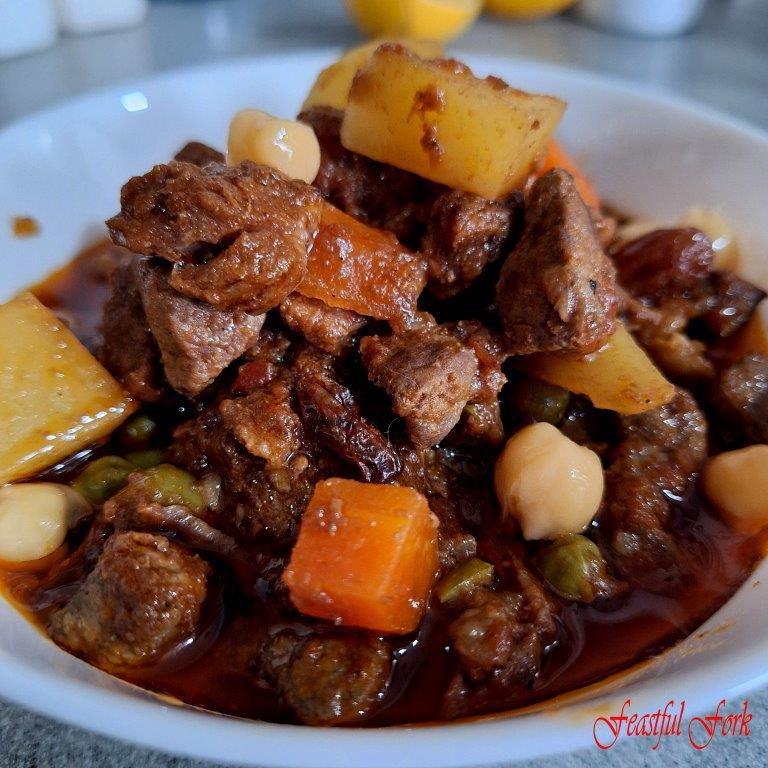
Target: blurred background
714	51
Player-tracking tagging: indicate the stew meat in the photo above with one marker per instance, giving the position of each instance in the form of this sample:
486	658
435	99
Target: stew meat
254	392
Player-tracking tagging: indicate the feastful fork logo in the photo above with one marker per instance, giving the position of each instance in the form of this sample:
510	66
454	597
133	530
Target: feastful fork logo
670	722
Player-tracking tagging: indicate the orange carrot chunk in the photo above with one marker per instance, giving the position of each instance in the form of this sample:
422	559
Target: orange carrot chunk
354	266
366	556
557	157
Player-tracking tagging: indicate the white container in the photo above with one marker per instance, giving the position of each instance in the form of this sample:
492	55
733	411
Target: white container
649	18
82	17
25	26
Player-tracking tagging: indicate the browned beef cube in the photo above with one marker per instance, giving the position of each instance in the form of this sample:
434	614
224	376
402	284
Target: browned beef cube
197	153
741	398
129	352
376	193
557	289
327	679
196	341
143	597
665	264
429	376
265	423
654	463
464	234
329	328
238	235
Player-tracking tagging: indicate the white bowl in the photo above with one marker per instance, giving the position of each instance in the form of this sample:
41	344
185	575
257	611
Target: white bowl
648	154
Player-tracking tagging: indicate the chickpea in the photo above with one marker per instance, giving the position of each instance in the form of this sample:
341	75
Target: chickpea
286	145
550	484
736	482
35	517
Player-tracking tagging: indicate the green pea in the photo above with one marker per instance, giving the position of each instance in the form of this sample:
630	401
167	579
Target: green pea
150	457
468	575
538	401
139	431
103	478
171	485
574	567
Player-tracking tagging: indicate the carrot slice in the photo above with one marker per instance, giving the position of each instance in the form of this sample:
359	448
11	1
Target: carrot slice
366	556
557	157
354	266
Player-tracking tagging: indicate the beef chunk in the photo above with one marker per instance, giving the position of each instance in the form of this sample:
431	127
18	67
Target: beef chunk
741	399
730	305
328	328
327	679
199	154
329	411
557	289
653	465
378	194
429	376
256	500
499	639
665	264
196	341
464	234
238	235
265	423
660	331
129	352
144	596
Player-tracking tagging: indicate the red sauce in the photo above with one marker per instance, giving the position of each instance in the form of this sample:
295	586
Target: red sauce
592	645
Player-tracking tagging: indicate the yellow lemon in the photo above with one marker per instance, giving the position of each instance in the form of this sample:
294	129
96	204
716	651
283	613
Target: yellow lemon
441	20
526	9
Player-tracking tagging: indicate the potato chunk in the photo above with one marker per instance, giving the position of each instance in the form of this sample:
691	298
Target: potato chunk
619	376
436	119
331	89
55	398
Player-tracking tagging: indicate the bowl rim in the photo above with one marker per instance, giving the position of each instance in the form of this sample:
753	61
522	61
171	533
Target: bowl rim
146	719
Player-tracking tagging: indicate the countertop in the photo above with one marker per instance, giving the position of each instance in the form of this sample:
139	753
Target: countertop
723	63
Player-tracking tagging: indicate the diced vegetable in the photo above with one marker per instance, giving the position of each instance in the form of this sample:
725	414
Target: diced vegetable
55	398
572	566
468	575
35	518
619	376
288	146
736	482
536	400
331	89
139	431
366	556
103	478
557	157
150	457
436	119
172	485
551	485
353	266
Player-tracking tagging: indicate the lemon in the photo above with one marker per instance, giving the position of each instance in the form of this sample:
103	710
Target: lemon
526	9
440	20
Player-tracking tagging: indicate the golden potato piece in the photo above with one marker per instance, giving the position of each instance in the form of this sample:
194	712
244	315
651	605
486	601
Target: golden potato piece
436	119
619	376
55	398
331	88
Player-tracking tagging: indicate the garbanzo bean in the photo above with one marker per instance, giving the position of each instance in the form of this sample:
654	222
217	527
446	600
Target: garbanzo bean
286	145
550	484
736	482
35	518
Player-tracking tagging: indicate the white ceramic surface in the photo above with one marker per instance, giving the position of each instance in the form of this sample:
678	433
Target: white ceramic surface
648	154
